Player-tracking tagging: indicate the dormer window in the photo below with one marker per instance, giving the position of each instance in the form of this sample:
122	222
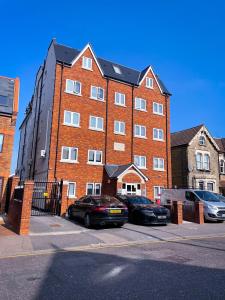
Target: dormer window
202	140
117	70
87	63
149	83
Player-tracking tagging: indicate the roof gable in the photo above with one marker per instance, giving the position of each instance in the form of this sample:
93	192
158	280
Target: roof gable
144	74
114	171
68	56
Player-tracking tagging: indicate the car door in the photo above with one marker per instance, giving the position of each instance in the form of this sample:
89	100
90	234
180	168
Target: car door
85	206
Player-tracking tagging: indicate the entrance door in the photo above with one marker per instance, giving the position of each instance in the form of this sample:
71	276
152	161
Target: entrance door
131	189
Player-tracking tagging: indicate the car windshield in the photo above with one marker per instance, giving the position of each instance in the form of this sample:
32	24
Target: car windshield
207	196
107	200
139	200
220	197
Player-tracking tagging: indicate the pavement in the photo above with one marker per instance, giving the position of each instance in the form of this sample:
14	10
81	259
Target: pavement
50	234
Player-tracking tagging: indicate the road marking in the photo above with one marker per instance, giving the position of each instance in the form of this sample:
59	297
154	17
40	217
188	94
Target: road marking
57	233
104	246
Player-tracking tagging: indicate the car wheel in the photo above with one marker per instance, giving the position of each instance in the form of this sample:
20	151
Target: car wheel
87	221
70	215
118	225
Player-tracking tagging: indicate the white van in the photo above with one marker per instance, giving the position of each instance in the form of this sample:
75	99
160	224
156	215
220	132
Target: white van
214	209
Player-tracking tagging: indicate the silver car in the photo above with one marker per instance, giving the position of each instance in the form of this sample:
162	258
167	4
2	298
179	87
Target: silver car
214	208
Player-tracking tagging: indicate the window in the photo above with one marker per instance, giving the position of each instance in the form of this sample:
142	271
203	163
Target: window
96	123
149	83
157	192
202	140
201	185
158	134
140	104
119	127
222	166
71	118
73	87
3	100
140	161
1	141
206	165
93	189
119	99
210	186
158	164
139	131
87	63
199	161
95	157
97	93
71	192
69	154
203	161
157	108
117	70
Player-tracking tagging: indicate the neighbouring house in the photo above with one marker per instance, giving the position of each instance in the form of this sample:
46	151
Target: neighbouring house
100	126
221	145
9	98
194	155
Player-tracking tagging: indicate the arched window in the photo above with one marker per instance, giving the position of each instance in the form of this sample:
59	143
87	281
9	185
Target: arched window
222	166
202	140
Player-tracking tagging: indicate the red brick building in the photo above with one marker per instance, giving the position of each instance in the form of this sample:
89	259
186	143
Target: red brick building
102	127
9	97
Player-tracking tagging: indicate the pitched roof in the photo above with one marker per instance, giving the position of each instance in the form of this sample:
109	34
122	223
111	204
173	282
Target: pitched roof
67	55
114	171
184	137
221	144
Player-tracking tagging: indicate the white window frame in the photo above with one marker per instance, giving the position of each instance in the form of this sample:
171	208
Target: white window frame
149	83
96	128
137	104
222	166
201	163
94	184
1	141
95	155
140	129
70	150
157	131
120	97
139	158
85	63
206	163
120	123
202	140
72	113
157	112
157	195
159	160
75	188
74	82
97	97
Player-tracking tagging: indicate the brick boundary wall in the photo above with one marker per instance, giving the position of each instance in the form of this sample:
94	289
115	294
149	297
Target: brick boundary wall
20	209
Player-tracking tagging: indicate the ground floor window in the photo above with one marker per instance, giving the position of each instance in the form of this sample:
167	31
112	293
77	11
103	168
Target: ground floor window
201	185
71	190
157	192
131	189
210	186
93	189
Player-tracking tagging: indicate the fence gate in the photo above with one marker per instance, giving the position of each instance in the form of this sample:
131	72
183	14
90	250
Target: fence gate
46	198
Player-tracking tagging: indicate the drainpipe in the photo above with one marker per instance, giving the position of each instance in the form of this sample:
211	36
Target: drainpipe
38	121
58	126
132	126
167	145
106	119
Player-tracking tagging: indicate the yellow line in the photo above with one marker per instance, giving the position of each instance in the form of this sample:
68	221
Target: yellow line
104	246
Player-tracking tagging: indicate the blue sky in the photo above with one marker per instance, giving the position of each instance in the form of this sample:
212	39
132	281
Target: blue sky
184	41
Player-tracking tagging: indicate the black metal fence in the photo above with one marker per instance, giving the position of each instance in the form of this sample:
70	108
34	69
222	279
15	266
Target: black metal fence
46	198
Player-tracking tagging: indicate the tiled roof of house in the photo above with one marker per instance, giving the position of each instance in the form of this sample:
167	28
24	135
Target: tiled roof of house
66	55
114	171
184	137
221	144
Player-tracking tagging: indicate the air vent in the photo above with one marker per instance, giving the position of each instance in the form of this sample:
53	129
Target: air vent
43	153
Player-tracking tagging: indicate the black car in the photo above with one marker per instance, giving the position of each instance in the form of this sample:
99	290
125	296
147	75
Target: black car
99	210
143	211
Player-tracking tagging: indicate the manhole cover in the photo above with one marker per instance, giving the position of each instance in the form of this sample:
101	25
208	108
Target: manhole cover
55	225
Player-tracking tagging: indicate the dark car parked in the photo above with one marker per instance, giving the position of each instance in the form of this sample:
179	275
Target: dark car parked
99	210
141	210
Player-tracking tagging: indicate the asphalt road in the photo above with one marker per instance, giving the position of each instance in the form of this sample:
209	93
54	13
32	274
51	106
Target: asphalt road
193	269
